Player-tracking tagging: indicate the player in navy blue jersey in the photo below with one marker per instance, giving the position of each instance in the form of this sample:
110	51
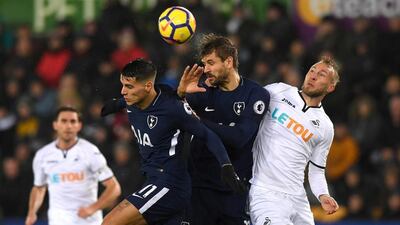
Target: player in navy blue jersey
159	119
232	106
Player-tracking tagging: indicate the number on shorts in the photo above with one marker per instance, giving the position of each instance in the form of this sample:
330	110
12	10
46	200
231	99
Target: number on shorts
146	191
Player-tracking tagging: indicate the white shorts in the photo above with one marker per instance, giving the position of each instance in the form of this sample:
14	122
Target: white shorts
269	207
70	217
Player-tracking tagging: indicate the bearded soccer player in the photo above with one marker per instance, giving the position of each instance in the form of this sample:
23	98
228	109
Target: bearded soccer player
232	106
294	133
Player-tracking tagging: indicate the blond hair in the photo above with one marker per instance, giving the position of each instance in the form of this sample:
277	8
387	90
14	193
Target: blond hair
327	60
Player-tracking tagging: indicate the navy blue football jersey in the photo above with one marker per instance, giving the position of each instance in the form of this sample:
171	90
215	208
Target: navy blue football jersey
235	116
159	133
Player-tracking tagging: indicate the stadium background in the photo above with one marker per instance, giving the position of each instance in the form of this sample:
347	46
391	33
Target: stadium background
70	51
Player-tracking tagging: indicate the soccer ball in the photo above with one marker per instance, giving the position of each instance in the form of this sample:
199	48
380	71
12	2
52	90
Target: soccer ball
176	25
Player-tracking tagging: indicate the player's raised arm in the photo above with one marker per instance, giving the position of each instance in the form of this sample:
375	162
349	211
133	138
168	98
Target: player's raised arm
189	80
188	122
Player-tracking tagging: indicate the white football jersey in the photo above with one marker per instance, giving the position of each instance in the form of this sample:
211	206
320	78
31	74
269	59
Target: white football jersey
71	176
290	135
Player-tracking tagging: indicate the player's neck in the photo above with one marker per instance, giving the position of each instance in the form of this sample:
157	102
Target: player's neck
66	144
148	100
232	82
312	101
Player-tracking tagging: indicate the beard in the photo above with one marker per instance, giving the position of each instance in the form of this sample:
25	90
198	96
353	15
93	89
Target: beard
313	93
217	80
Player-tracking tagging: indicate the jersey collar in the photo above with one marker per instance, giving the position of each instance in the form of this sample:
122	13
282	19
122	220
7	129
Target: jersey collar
305	106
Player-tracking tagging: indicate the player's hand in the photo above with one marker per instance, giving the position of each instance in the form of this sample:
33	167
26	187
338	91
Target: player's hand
30	219
110	107
230	177
329	204
84	212
189	80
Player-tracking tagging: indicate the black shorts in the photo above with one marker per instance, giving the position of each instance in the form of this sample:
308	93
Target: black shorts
160	204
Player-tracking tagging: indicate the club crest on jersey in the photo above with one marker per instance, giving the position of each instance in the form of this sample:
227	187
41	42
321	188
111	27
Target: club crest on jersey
152	121
238	107
267	221
259	107
315	123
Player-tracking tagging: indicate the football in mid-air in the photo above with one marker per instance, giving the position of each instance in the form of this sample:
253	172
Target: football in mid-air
176	25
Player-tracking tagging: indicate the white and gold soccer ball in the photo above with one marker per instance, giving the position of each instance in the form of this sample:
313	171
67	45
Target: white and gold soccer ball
176	25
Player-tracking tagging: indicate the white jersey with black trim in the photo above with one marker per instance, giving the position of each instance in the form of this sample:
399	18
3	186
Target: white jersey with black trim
290	135
71	176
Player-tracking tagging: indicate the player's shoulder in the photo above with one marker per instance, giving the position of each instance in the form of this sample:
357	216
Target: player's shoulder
171	103
166	92
325	119
328	120
86	146
254	88
46	150
279	87
250	83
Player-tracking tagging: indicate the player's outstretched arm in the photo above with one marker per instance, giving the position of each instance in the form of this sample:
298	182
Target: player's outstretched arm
191	124
328	203
112	106
107	197
189	81
35	201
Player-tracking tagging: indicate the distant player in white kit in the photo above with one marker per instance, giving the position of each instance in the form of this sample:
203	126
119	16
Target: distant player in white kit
294	132
71	167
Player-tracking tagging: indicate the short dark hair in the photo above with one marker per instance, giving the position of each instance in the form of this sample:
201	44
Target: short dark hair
68	108
140	69
222	46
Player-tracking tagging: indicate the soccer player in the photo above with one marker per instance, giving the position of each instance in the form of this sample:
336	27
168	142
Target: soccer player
159	119
71	167
233	107
294	132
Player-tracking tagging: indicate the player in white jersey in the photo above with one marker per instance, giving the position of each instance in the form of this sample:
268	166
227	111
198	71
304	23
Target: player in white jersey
71	167
294	132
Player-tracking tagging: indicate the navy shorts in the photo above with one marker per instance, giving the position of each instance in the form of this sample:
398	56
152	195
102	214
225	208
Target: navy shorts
218	208
160	204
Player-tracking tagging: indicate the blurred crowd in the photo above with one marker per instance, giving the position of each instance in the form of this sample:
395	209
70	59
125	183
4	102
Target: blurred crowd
71	66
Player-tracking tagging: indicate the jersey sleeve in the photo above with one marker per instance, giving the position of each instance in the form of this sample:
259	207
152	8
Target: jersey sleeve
38	172
187	121
320	153
121	103
240	133
193	100
98	165
316	170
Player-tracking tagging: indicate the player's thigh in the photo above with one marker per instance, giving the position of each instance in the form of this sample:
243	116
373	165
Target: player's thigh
269	207
303	214
124	214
